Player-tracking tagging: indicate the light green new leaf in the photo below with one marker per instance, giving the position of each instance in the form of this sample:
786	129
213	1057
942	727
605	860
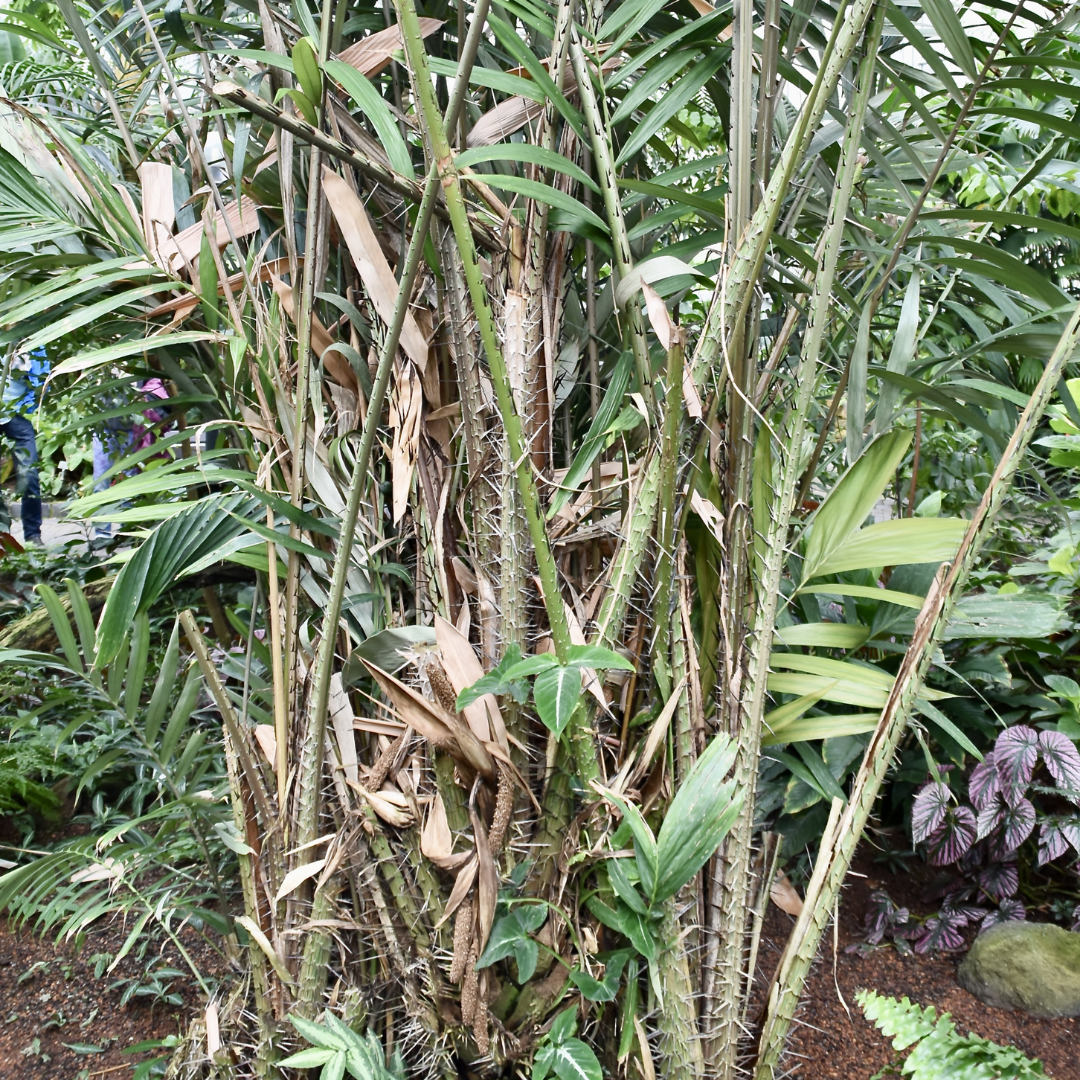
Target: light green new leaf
896	543
850	502
811	728
994	616
900	355
556	693
644	842
523	152
700	815
823	635
867	592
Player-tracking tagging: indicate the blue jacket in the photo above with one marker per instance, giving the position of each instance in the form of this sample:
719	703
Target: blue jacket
25	379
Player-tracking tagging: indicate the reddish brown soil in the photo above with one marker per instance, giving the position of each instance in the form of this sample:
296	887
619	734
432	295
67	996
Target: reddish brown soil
828	1043
50	997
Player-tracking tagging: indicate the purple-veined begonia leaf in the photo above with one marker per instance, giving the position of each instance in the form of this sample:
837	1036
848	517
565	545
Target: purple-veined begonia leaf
953	837
1076	918
942	932
1017	823
1052	842
883	916
1007	911
999	880
989	818
985	782
929	809
1061	758
1015	754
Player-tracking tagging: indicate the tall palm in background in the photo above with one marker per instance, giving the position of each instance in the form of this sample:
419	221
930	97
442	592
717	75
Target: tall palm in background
568	347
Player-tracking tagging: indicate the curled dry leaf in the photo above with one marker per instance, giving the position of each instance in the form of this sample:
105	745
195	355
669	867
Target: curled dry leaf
659	316
213	1030
375	272
294	878
341	716
435	724
463	669
267	743
436	840
392	807
488	891
784	896
462	887
371	54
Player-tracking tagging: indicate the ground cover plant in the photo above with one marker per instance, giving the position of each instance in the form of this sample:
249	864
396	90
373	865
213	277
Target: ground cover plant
586	434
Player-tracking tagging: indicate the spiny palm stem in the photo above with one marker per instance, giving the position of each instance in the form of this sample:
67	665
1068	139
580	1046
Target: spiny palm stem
723	1011
358	481
455	203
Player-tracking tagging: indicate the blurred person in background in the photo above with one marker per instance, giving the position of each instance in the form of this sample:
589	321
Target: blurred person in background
20	398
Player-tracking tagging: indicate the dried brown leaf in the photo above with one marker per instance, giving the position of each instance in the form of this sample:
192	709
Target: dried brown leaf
371	54
784	896
488	890
462	886
463	668
437	725
266	739
374	270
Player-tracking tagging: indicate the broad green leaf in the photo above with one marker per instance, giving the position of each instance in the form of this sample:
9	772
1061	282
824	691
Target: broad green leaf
595	656
1013	615
594	440
700	815
849	503
311	1058
813	728
61	624
644	842
556	692
108	354
896	543
867	592
493	78
372	105
669	103
823	635
573	1060
530	665
386	650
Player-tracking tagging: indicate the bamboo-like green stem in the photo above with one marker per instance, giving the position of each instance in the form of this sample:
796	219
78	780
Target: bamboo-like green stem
455	203
605	170
665	530
930	625
728	914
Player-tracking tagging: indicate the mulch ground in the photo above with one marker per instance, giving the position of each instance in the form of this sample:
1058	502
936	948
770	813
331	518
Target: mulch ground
831	1041
59	1022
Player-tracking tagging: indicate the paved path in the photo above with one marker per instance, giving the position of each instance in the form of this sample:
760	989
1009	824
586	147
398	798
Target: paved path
56	530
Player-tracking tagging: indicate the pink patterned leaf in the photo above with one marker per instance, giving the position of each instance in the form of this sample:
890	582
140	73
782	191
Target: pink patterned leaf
985	782
989	818
929	809
1009	911
953	837
942	932
999	880
1053	841
1018	821
1059	753
1015	754
1071	830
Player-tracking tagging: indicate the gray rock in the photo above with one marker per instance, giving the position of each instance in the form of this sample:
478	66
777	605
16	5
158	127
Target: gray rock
1034	967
